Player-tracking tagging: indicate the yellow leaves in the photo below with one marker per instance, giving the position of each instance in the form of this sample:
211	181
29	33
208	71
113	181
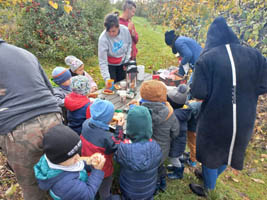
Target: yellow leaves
52	4
258	180
67	8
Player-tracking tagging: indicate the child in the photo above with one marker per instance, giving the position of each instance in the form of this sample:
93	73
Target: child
191	133
97	138
177	98
139	156
77	103
61	77
60	170
77	68
165	124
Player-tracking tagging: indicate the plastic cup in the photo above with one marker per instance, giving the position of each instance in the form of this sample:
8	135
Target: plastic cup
123	85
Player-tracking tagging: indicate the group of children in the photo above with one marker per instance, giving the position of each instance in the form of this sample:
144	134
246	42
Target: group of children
78	159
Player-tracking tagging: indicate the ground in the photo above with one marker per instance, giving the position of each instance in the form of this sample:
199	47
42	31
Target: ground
248	184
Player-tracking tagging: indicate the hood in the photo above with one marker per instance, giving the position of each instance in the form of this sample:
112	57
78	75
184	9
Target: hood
183	114
74	101
46	176
160	112
219	33
139	124
139	156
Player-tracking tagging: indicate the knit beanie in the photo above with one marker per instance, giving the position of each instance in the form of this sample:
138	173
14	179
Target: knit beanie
80	85
169	37
153	90
178	95
101	112
73	62
60	75
61	143
139	124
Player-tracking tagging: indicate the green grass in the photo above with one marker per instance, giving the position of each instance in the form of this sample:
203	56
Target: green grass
154	54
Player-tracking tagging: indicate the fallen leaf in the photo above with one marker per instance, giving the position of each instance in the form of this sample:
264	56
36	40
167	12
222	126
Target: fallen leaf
235	180
11	190
258	180
264	155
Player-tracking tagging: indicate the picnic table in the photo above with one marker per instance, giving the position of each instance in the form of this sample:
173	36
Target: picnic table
115	98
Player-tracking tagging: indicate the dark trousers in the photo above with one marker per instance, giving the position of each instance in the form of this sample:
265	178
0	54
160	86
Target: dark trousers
117	73
178	145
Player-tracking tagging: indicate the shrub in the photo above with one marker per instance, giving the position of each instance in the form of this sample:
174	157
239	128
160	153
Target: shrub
55	29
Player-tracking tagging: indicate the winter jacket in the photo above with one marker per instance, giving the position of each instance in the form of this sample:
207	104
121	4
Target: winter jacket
195	110
60	95
63	185
114	50
165	125
95	140
134	38
28	91
226	105
139	164
188	49
178	144
78	107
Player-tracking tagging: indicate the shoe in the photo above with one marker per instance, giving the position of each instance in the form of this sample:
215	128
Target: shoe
197	189
198	174
184	158
177	173
192	164
170	167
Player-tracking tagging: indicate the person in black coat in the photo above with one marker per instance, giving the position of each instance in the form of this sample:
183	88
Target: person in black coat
228	78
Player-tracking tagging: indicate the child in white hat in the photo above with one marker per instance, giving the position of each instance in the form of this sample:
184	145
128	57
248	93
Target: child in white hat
77	68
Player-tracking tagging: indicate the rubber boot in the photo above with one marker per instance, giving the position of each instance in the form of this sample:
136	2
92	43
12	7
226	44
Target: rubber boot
163	184
177	173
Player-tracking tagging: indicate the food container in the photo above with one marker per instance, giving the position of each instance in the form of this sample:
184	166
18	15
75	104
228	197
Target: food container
123	95
141	72
123	85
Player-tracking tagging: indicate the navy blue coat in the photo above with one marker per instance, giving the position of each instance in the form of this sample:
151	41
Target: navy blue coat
178	144
139	164
213	83
63	185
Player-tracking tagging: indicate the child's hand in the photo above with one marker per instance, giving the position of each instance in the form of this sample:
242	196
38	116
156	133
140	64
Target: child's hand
93	89
134	101
98	161
121	120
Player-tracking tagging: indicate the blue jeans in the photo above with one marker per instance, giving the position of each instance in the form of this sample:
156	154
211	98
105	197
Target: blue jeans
210	176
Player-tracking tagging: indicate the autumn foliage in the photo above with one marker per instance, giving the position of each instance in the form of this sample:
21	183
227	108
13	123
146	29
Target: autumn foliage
54	28
193	17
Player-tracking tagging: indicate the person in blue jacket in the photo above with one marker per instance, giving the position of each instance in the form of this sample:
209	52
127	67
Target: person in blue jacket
187	47
139	157
61	170
177	97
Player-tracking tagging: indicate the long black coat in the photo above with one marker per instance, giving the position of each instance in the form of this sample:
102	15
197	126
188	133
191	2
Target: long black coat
213	82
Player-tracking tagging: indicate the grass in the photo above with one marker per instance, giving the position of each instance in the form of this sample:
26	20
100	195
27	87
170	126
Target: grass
231	185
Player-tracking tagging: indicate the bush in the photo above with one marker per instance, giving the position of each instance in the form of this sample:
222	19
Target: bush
55	30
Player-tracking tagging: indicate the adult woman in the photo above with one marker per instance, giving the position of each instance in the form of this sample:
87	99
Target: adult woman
114	49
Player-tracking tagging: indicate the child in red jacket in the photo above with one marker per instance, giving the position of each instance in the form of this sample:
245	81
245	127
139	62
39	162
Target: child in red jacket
77	103
96	138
